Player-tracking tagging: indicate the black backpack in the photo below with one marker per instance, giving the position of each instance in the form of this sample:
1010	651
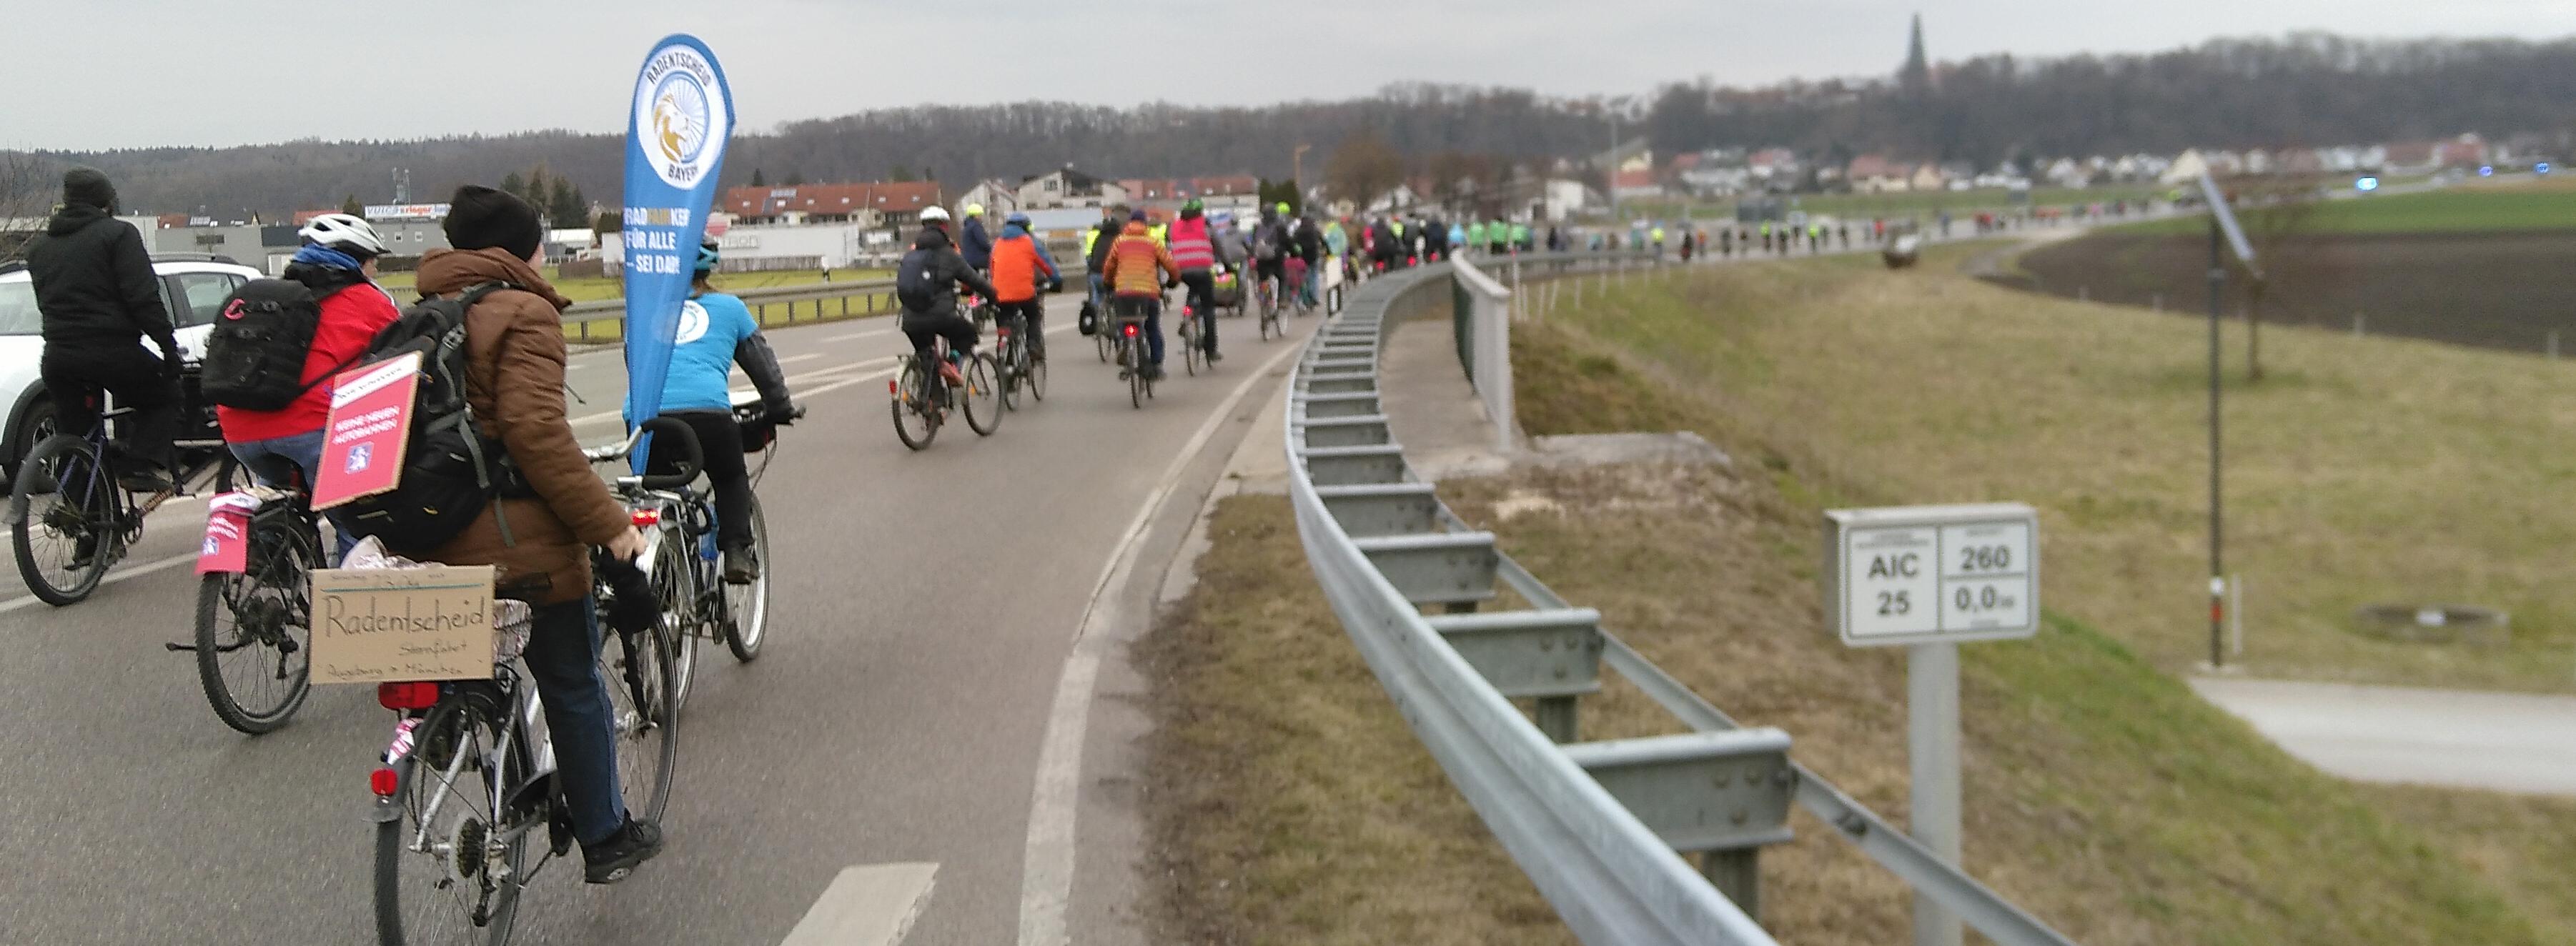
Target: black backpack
1266	242
255	354
914	284
450	471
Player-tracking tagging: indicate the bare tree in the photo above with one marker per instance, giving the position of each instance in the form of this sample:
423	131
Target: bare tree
26	190
1363	168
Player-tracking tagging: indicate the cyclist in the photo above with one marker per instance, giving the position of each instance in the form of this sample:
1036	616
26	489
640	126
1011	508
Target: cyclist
1095	253
1383	250
1021	268
1310	248
95	288
338	264
716	332
1271	243
515	384
1194	251
1138	271
972	242
927	284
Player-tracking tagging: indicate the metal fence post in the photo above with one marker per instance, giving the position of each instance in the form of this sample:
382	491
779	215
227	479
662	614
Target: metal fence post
1557	718
1738	875
1932	724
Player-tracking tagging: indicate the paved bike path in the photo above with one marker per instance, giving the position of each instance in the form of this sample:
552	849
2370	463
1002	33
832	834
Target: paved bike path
923	609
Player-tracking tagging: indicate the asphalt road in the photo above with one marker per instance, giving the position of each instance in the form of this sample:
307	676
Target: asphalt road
924	608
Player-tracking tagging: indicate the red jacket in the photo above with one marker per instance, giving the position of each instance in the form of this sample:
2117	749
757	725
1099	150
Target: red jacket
351	318
1017	264
1190	246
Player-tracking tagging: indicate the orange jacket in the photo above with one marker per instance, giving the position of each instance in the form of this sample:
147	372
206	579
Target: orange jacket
1017	264
1137	264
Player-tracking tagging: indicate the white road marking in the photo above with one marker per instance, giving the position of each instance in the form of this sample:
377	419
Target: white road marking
791	379
1046	878
121	574
846	336
808	356
872	905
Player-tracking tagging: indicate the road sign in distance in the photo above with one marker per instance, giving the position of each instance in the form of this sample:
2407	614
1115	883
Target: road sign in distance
1924	574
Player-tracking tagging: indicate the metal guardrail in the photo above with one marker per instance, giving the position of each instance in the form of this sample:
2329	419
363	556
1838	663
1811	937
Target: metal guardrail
1598	827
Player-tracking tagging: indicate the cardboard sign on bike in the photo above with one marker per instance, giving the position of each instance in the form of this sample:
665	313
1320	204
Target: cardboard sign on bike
379	625
370	424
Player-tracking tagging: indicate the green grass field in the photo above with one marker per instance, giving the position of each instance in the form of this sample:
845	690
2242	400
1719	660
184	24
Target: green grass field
1910	204
2449	210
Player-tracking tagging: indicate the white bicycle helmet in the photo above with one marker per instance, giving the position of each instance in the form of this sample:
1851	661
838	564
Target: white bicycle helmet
345	231
934	214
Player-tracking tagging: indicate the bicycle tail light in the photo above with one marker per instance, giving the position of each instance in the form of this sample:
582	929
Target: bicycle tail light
892	390
645	518
383	781
411	695
1131	331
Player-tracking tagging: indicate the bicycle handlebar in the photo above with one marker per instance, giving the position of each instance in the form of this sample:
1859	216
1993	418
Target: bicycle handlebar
692	461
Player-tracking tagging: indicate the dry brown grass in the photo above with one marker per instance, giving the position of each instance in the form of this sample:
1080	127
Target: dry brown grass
1290	805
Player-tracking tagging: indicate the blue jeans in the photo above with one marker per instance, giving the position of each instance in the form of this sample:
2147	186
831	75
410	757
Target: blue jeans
1152	306
281	462
563	656
1314	285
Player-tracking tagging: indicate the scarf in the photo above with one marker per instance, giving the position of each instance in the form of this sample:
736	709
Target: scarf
326	257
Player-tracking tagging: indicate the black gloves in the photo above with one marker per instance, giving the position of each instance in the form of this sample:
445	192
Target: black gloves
631	603
785	414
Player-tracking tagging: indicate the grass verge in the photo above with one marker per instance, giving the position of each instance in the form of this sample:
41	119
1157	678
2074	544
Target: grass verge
1290	805
2362	470
2503	207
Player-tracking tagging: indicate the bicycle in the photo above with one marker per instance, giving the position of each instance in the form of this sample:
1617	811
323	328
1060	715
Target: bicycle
1133	367
468	776
1269	291
1192	358
70	520
918	393
687	572
1019	366
254	601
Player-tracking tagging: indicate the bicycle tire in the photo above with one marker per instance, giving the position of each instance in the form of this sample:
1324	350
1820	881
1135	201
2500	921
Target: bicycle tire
676	580
1037	379
273	590
910	402
644	720
980	386
1013	367
1136	374
33	522
1190	343
458	728
747	606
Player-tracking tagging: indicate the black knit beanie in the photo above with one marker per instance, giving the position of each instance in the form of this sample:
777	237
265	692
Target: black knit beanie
479	217
88	187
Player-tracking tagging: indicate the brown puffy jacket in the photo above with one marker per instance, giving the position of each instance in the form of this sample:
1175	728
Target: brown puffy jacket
515	382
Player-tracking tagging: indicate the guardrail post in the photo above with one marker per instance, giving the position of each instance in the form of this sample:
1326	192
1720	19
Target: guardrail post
1738	875
1556	717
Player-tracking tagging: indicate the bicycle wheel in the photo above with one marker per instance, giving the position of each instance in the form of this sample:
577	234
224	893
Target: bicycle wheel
448	869
253	631
1013	361
642	716
1190	356
747	606
1036	379
63	520
914	421
677	583
1135	358
983	396
1100	340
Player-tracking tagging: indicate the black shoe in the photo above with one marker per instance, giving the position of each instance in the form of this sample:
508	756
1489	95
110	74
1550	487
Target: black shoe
147	480
610	861
1154	373
741	566
1213	357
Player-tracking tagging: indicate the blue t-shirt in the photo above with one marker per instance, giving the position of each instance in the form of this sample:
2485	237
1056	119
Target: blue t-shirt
702	358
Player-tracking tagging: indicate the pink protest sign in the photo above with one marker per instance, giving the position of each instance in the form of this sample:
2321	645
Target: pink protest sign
362	445
227	548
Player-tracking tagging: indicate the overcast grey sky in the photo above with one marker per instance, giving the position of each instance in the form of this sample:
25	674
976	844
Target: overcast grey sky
90	74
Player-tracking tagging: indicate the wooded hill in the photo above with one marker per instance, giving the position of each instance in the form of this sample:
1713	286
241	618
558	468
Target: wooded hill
2301	90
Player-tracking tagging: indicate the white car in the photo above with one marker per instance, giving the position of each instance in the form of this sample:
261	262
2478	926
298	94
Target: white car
193	285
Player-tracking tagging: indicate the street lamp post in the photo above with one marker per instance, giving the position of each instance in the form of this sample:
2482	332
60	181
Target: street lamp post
1297	172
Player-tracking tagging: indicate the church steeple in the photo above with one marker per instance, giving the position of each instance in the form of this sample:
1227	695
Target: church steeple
1916	75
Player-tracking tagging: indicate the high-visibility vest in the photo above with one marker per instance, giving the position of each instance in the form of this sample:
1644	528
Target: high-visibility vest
1090	238
1659	234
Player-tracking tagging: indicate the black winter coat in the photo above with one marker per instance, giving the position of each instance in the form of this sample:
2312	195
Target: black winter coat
938	261
94	281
